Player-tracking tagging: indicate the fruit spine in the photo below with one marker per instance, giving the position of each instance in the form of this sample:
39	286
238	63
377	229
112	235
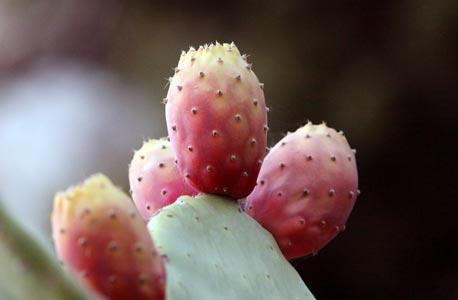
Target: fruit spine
217	120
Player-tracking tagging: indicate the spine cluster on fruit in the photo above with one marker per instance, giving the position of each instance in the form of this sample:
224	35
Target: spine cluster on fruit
185	235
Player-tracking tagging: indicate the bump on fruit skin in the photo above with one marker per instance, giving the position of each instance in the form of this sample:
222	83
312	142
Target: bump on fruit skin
215	110
99	235
154	178
306	189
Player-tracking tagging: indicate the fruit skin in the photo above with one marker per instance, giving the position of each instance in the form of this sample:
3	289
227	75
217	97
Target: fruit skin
217	120
306	189
155	180
99	235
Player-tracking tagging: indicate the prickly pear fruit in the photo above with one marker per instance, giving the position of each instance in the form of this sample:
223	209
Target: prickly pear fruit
154	178
217	120
100	236
306	189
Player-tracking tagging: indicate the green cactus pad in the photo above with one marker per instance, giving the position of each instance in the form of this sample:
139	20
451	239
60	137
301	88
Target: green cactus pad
27	271
213	250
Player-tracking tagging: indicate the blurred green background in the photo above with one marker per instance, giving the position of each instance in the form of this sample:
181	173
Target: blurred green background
81	85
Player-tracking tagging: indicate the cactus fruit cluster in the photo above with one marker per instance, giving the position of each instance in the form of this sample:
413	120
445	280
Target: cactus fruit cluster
189	233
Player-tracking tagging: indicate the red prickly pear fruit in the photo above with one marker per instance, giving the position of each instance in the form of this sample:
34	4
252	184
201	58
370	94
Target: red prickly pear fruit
155	180
99	235
306	189
217	120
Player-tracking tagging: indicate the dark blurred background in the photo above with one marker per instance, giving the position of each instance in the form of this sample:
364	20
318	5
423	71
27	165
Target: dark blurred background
81	84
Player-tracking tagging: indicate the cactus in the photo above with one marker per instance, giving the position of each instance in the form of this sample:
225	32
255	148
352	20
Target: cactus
213	250
217	120
28	271
207	246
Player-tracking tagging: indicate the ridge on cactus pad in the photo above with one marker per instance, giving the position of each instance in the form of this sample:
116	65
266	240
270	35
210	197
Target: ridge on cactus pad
99	235
306	189
154	178
213	250
217	120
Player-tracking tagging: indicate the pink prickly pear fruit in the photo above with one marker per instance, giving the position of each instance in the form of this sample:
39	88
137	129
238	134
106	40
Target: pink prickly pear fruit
217	120
306	189
155	180
99	235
